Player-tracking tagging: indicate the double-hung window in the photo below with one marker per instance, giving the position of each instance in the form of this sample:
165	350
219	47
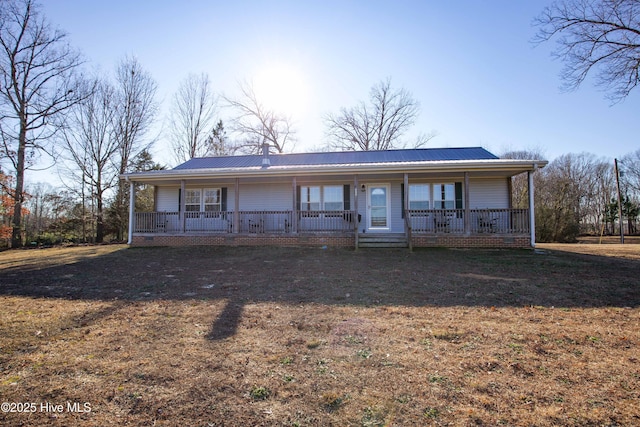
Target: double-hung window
419	197
192	201
333	197
212	200
310	198
444	196
203	200
318	198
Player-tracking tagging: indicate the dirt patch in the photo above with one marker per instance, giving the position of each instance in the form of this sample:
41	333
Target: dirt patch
310	337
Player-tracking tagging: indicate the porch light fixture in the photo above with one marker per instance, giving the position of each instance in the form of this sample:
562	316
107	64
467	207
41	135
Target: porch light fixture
363	188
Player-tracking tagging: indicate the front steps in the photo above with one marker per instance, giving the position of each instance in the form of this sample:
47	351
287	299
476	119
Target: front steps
382	240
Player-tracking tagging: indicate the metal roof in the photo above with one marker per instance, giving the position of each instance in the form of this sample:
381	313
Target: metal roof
340	158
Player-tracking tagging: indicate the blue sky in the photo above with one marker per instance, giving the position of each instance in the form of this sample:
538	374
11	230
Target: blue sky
470	64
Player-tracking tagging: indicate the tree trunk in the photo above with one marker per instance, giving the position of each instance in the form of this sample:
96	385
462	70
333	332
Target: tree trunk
99	221
18	195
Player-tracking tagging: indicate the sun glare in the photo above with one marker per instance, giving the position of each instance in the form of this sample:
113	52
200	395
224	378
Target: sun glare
281	88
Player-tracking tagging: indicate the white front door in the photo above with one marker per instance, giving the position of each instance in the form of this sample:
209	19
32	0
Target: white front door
378	207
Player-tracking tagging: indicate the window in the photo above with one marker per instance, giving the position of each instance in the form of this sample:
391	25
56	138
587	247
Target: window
212	200
192	201
328	198
333	198
310	198
419	196
196	202
444	196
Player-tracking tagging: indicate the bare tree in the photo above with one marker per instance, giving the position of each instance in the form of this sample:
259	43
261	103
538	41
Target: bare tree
90	144
258	125
218	143
378	124
192	117
519	183
599	36
136	110
37	84
631	172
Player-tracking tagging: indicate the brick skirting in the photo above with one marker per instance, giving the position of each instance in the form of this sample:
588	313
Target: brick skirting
435	240
243	240
473	241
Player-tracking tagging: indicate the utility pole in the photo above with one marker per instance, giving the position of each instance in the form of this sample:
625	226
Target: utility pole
617	171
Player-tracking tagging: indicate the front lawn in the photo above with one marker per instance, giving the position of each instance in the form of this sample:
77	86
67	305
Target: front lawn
309	337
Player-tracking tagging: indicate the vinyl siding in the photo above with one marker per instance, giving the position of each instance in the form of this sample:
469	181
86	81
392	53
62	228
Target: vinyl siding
266	197
167	199
488	193
397	222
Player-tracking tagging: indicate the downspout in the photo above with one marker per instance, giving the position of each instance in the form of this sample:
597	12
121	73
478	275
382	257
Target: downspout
183	204
356	210
132	204
467	206
532	213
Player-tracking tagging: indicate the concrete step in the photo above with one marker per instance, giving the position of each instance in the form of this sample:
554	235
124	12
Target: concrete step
382	240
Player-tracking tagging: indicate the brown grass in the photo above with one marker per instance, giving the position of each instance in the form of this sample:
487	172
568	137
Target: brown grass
293	337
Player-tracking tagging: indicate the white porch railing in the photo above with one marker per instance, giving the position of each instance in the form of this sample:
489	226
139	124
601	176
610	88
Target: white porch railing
250	222
272	222
504	221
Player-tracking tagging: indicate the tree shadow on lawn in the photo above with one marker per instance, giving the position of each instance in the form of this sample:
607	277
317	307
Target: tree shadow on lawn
389	277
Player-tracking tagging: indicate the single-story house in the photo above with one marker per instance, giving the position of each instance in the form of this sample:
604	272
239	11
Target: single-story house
456	197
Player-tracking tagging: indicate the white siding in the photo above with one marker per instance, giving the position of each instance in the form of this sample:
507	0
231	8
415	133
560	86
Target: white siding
167	199
397	222
489	193
266	197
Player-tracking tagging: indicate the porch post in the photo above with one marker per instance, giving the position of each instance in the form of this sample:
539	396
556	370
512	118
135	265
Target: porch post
182	206
132	206
236	207
405	202
467	207
405	209
294	209
356	224
532	214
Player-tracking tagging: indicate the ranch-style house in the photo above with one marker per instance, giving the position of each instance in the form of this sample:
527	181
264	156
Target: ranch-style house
454	197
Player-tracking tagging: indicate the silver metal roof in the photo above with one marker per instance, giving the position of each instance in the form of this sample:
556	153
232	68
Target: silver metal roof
340	158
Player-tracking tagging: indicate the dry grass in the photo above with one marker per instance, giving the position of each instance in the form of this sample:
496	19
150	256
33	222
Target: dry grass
293	337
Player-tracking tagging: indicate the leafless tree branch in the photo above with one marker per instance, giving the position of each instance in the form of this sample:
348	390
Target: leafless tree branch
258	125
378	125
192	117
600	37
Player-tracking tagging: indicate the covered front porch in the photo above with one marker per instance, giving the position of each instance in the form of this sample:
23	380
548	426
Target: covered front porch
445	223
443	208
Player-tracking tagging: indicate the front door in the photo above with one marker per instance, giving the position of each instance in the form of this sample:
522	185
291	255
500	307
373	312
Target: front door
378	207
